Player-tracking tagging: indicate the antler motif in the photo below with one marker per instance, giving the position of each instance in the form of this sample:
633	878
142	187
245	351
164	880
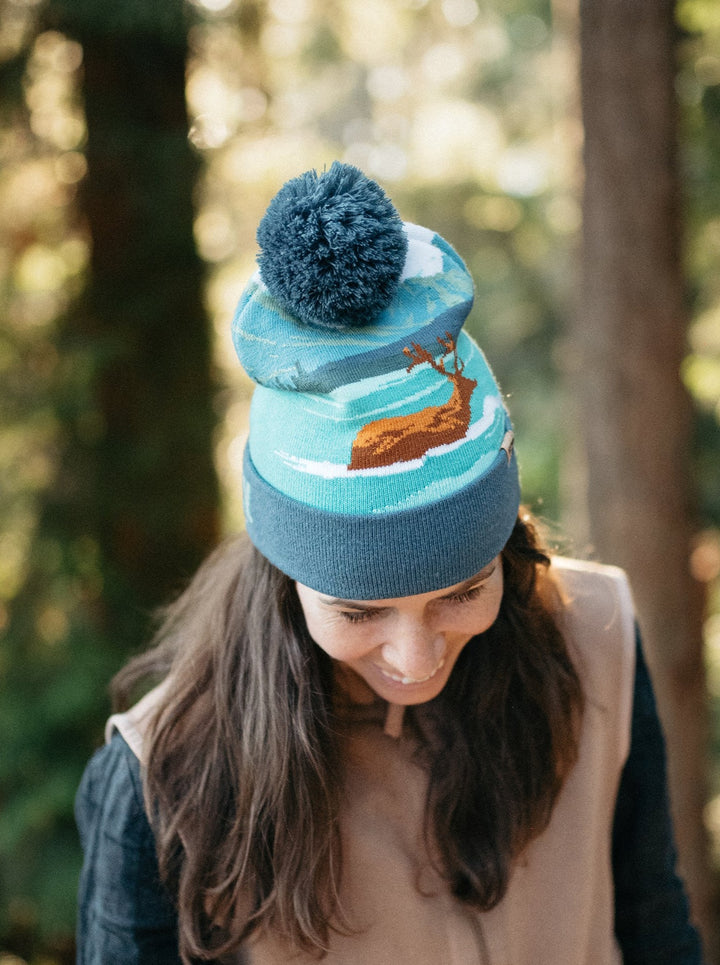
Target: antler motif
448	343
417	354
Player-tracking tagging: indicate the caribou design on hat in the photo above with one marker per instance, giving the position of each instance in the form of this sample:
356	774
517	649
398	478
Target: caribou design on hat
401	438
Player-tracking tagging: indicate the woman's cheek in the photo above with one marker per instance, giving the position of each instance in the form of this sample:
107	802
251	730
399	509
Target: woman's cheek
339	638
485	615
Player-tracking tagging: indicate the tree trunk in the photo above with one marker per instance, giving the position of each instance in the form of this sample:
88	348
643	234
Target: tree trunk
636	418
157	494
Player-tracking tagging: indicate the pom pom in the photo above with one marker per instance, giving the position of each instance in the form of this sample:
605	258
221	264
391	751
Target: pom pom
332	248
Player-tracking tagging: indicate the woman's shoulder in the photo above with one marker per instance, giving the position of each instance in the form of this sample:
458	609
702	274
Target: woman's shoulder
587	574
110	795
595	598
597	618
132	724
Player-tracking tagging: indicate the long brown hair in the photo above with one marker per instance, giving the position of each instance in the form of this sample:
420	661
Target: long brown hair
243	776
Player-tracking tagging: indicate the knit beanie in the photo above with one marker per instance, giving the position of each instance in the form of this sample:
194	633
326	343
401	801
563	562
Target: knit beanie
380	459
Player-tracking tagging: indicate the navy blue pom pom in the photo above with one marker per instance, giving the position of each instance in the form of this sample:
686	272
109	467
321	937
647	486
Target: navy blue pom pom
332	247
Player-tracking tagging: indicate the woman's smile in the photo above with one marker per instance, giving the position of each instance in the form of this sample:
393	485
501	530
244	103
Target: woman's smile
410	680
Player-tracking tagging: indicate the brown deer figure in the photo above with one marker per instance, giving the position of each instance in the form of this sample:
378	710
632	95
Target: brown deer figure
406	437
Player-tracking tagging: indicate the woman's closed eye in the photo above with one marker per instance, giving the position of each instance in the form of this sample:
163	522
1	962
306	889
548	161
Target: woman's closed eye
466	596
365	614
358	616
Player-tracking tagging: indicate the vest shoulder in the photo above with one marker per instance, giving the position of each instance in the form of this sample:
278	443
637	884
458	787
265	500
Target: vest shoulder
596	596
132	725
588	571
597	618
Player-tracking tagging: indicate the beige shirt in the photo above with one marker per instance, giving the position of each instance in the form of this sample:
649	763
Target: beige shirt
558	909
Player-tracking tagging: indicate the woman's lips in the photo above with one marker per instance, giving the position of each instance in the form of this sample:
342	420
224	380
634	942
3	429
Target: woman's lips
397	678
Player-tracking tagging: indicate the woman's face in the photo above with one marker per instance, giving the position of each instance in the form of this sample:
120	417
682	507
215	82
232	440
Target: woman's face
405	648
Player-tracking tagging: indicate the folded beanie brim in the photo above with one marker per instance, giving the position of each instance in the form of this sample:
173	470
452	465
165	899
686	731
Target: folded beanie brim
386	555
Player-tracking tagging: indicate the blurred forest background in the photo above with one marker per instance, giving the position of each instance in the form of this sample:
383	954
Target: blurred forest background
569	149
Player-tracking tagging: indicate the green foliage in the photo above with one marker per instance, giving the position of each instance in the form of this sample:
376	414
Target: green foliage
50	705
699	91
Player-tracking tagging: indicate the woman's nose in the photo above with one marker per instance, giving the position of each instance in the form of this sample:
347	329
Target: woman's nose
415	649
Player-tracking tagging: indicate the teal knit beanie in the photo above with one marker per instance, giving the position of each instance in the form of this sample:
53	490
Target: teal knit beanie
380	459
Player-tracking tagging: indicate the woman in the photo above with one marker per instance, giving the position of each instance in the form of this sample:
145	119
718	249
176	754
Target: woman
388	729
